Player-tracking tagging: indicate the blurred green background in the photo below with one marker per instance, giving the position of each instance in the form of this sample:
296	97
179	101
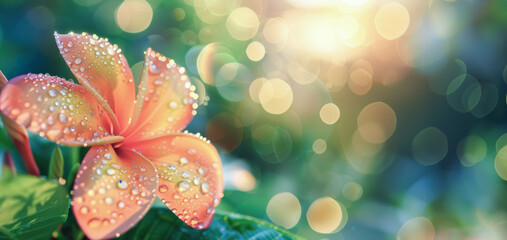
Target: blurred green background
335	119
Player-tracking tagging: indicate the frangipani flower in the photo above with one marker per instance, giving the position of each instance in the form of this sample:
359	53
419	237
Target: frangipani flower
138	151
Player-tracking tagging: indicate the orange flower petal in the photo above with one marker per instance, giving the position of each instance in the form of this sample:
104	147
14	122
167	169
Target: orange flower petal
190	175
165	99
112	191
102	69
57	109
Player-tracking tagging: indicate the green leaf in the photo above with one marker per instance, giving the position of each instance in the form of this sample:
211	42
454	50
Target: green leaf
30	207
161	223
56	164
72	175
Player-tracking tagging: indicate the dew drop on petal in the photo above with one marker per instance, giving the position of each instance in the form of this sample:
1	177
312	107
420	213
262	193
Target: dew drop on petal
109	200
173	104
121	204
52	93
122	184
183	186
63	118
204	188
135	191
163	188
183	160
110	171
108	156
77	61
94	223
84	210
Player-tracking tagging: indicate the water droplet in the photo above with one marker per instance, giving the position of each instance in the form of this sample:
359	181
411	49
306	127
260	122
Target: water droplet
185	175
200	225
154	69
191	151
173	104
183	160
163	188
202	171
183	186
63	92
15	111
122	184
63	118
121	204
216	201
194	221
139	202
94	223
205	188
99	171
108	156
158	82
110	50
135	191
102	191
51	108
52	93
197	181
77	61
109	200
84	210
110	171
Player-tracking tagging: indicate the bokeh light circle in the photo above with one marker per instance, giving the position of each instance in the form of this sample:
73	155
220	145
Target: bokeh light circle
275	96
429	146
419	228
134	16
471	150
352	191
376	122
284	209
242	23
255	51
501	163
319	146
325	215
329	113
392	20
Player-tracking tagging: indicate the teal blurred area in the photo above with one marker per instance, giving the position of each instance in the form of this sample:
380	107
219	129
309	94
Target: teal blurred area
335	119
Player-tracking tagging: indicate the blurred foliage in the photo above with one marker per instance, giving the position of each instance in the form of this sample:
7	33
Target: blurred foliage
32	208
417	122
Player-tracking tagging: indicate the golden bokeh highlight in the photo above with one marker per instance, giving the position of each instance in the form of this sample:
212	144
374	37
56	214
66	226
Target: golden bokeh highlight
214	11
429	146
376	122
255	51
205	63
392	20
275	96
419	228
501	163
276	30
352	191
242	24
360	81
325	215
319	146
243	180
471	150
329	113
284	209
347	27
134	16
